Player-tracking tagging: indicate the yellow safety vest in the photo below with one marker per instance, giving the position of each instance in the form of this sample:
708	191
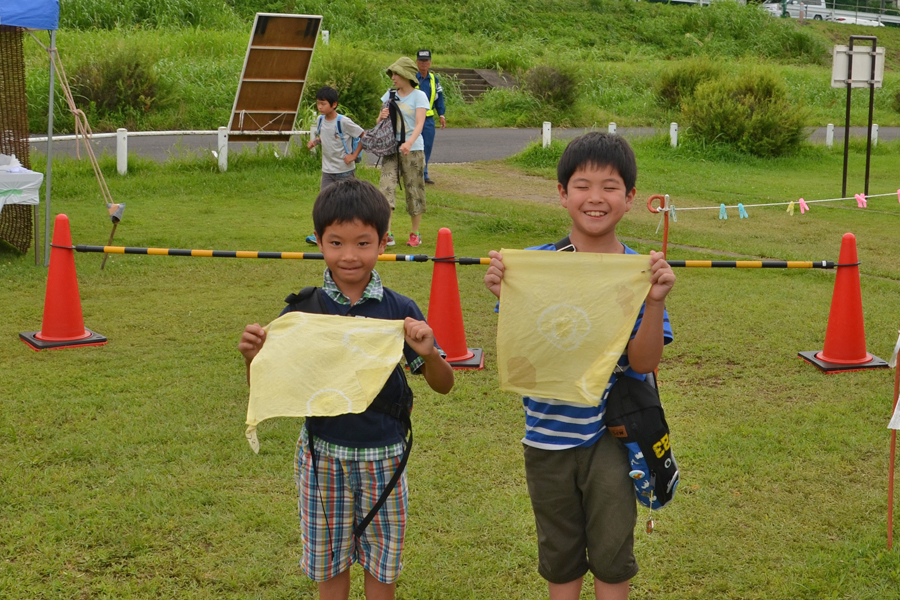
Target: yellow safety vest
430	112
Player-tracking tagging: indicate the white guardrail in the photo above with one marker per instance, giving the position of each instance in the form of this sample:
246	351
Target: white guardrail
221	153
122	135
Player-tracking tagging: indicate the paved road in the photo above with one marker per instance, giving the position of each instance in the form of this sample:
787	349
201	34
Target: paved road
451	145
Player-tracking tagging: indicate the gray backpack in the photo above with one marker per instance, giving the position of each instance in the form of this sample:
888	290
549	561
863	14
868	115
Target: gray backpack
381	140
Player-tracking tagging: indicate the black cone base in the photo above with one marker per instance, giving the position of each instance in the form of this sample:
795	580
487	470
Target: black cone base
829	367
28	337
476	362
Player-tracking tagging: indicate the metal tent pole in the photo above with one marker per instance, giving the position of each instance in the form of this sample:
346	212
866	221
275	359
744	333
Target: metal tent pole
49	155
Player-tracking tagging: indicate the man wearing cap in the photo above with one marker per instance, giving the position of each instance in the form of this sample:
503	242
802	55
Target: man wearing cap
431	85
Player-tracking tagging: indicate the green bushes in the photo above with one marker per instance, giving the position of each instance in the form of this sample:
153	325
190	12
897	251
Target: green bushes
679	82
121	86
358	77
749	112
552	86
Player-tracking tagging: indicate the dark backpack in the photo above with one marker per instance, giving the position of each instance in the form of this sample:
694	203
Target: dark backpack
309	300
634	414
381	140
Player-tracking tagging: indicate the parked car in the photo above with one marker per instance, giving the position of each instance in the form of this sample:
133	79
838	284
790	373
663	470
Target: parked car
855	21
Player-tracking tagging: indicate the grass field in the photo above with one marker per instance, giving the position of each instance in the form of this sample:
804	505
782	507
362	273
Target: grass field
124	472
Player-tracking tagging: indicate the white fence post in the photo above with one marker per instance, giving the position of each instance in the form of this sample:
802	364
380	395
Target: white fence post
325	36
546	136
612	128
874	134
829	135
223	149
122	151
673	134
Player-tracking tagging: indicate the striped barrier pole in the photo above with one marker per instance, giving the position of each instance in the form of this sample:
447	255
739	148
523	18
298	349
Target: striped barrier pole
462	260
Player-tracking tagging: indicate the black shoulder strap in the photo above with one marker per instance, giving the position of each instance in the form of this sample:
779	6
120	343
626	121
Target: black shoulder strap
396	116
361	527
564	245
307	300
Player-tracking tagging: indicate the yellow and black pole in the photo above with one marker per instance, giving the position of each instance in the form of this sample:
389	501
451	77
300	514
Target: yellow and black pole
462	260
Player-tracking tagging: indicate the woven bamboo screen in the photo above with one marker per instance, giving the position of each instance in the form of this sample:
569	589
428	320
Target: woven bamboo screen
15	219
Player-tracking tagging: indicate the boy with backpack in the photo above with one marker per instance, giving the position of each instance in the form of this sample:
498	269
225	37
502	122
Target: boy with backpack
578	476
343	462
339	138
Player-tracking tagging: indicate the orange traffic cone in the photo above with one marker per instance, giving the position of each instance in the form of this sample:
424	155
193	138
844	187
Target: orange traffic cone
63	325
845	338
445	312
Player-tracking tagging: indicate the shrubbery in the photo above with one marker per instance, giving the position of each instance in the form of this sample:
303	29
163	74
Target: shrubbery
359	79
677	84
123	85
553	86
750	112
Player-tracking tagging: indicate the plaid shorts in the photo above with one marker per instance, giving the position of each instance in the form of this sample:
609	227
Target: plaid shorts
412	167
347	490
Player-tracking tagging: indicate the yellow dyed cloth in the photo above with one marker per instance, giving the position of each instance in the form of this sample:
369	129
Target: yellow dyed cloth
314	365
565	319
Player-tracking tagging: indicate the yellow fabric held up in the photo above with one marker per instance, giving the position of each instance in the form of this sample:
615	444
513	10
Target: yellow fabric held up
315	365
565	318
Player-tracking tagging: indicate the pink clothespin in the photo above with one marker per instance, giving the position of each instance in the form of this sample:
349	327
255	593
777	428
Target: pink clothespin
860	200
803	206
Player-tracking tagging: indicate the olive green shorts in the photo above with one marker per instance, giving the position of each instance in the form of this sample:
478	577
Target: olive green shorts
412	168
585	511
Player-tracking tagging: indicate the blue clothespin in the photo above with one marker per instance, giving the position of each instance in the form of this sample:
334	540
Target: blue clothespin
743	212
722	214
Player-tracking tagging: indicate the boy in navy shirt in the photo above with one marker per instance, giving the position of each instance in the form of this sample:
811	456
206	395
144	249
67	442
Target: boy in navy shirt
582	497
344	462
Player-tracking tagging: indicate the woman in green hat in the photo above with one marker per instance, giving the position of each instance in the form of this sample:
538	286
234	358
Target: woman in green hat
410	160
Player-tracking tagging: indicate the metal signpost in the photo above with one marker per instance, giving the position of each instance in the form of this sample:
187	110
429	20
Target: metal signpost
868	66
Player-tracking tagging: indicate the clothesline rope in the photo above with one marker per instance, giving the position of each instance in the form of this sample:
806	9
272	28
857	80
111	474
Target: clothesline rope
669	207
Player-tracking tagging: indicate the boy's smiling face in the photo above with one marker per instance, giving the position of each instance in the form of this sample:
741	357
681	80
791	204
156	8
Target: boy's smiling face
597	200
351	251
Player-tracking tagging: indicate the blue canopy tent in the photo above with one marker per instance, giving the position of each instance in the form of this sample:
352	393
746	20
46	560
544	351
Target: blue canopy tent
37	14
31	14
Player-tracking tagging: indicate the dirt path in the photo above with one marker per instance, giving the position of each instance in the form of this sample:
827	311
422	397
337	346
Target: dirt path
493	180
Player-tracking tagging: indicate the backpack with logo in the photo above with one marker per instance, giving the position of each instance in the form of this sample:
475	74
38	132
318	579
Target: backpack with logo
354	141
381	140
634	414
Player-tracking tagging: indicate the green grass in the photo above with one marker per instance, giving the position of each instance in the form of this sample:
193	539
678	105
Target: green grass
124	472
618	48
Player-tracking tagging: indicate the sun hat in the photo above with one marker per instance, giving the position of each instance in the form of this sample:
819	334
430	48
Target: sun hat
404	67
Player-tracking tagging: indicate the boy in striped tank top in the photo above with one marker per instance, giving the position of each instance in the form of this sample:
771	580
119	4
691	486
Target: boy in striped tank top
582	497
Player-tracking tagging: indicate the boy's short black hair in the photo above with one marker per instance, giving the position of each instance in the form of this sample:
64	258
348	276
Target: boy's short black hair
327	92
351	200
598	149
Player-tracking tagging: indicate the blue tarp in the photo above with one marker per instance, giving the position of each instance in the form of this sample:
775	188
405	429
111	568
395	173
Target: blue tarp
34	14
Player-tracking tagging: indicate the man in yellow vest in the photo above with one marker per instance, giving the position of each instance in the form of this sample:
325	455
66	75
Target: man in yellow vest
431	85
